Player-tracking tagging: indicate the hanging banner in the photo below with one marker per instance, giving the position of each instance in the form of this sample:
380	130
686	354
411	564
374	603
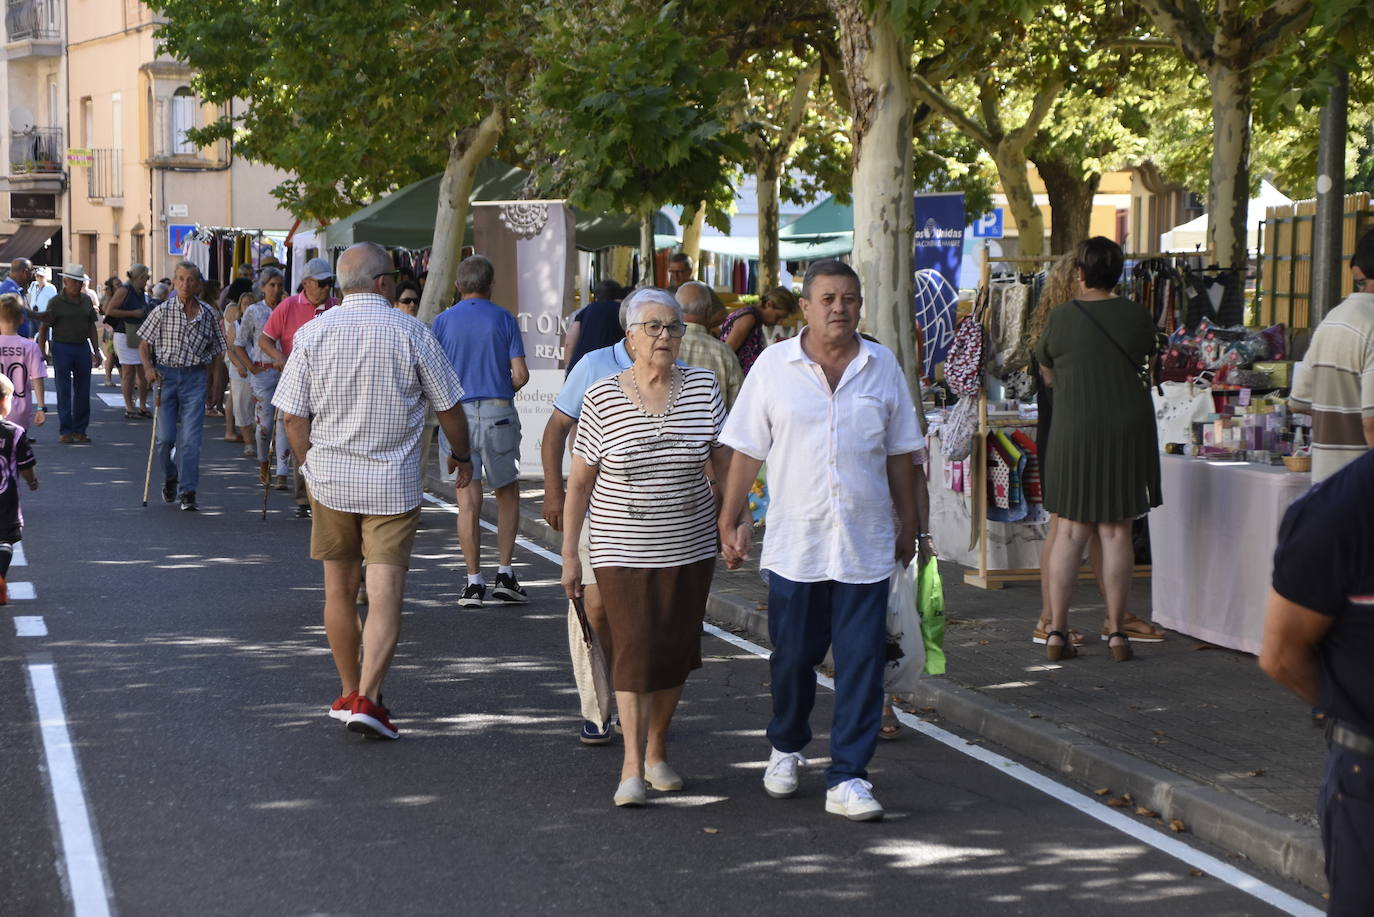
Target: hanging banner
531	245
939	251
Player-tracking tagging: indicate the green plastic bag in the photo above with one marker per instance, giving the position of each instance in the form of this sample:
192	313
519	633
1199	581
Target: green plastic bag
930	600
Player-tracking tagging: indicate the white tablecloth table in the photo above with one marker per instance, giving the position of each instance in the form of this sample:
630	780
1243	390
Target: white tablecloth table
1212	546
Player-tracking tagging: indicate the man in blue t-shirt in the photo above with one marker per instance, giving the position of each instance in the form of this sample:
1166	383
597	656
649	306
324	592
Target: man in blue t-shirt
482	341
21	275
1318	643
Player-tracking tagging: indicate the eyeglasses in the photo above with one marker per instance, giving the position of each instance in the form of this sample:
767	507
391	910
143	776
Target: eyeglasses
654	329
408	300
1361	283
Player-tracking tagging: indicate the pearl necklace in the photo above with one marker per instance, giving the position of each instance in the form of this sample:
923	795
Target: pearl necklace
673	392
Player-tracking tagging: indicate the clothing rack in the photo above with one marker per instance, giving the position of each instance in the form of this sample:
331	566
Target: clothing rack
986	577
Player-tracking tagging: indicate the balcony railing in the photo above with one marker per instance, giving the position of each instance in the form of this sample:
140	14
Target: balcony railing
105	179
29	19
38	150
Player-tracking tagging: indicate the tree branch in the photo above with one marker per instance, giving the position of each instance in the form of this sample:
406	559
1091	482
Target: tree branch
1185	27
951	112
1044	104
1277	24
797	105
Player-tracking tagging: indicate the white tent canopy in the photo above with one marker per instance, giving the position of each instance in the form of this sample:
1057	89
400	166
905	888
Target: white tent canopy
1192	235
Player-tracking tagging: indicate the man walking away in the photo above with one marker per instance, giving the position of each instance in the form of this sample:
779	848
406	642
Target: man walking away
353	395
483	344
183	335
1335	381
832	414
595	325
701	348
1318	641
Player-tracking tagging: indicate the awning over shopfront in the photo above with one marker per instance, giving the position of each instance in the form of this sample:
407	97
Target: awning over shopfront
25	242
790	248
405	217
829	217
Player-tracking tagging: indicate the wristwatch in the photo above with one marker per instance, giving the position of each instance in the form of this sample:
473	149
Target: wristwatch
460	459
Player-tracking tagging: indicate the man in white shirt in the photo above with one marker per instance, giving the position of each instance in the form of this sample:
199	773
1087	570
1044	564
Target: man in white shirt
832	415
40	291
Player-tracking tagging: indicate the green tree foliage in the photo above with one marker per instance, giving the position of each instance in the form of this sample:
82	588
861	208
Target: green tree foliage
629	111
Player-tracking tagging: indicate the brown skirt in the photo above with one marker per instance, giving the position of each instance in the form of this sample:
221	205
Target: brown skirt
655	617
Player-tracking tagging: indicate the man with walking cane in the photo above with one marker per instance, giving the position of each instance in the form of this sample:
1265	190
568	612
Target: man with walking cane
186	334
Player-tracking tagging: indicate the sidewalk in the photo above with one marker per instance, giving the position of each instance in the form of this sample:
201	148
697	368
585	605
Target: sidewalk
1191	731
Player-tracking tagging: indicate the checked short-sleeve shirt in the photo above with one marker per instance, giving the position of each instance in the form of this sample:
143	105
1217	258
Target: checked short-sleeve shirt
362	372
180	341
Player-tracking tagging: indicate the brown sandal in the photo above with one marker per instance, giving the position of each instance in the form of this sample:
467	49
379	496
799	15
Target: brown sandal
1122	651
1065	650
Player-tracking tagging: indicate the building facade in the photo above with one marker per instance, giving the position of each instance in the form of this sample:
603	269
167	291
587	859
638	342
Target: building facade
137	182
34	138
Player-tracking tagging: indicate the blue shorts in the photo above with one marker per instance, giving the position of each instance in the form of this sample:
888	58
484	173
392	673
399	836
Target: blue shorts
494	435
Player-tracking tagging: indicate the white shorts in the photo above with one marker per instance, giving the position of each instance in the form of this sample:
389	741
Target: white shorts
128	356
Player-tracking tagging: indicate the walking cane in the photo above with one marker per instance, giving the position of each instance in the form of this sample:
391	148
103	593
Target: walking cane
271	454
152	441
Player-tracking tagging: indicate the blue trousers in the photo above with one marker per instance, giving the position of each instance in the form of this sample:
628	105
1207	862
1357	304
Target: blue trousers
804	620
180	418
1347	820
72	366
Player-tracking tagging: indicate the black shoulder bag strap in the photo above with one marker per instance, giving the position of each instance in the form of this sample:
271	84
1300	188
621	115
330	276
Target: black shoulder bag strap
1139	370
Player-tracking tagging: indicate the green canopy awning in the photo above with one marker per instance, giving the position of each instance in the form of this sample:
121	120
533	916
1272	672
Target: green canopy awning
827	217
405	217
790	248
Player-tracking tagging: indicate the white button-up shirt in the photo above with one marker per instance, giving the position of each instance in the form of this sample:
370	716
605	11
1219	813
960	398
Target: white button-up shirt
361	372
830	511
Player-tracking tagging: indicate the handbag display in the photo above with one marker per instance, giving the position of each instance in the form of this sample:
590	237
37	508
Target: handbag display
956	435
1181	405
967	353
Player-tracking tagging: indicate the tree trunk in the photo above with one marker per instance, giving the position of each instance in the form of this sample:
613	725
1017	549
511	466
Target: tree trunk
876	65
647	276
465	153
1013	170
1228	193
768	185
693	221
1071	203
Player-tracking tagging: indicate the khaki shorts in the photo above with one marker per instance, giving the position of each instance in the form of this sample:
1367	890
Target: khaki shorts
356	536
584	553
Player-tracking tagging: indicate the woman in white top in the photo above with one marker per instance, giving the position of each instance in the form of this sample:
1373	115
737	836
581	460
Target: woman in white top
646	456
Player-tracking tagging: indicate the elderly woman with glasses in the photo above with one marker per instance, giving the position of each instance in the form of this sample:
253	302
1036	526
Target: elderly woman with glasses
646	454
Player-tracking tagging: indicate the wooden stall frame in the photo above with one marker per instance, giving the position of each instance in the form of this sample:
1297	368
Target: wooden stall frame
985	577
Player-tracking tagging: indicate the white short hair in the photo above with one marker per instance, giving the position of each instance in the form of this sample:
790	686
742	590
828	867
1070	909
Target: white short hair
641	299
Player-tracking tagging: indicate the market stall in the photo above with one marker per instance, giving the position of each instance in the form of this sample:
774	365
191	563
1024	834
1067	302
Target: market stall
1213	545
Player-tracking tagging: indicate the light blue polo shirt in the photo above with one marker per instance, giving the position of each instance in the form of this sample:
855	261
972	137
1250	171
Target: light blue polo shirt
593	367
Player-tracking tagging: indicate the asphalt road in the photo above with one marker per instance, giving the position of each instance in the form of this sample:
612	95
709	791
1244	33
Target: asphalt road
194	671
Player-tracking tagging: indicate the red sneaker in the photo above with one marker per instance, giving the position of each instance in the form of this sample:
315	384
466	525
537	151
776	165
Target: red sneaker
4	592
342	707
372	720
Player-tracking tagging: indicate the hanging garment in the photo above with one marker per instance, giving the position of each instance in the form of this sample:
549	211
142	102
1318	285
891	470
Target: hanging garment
1008	327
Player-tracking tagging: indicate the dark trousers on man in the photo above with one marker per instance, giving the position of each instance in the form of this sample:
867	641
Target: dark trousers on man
1347	820
804	620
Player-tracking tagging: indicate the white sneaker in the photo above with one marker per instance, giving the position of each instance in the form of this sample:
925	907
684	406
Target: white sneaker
854	800
780	779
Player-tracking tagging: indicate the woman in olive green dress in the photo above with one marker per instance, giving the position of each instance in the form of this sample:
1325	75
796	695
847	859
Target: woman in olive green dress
1105	472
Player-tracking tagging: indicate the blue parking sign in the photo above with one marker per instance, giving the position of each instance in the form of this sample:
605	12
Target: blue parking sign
176	236
989	225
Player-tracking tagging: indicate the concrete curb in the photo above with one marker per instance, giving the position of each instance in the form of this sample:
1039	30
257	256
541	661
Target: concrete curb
1267	839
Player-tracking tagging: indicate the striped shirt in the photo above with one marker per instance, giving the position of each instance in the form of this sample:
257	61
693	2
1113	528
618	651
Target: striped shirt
362	372
651	505
179	341
1335	382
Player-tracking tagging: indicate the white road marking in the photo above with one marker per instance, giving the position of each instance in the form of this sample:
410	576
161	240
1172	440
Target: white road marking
1058	791
29	626
85	875
19	559
1080	801
22	591
111	399
49	396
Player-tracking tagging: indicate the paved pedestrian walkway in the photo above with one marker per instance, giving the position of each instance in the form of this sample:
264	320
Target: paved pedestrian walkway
1192	731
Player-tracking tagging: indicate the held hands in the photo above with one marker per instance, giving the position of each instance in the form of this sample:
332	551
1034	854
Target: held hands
462	472
736	538
572	576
